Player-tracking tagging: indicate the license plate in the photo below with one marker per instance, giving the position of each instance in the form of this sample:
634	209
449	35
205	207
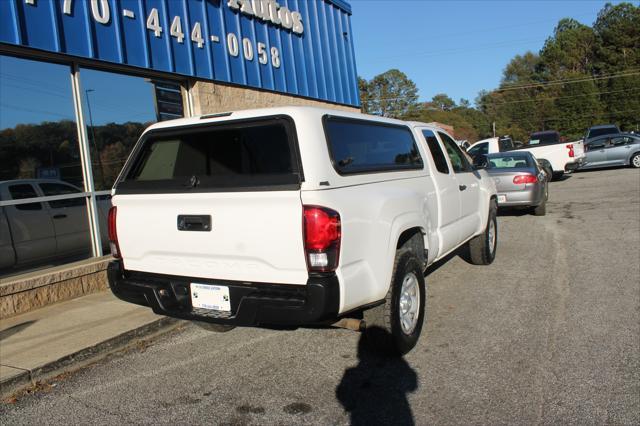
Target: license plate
502	198
214	297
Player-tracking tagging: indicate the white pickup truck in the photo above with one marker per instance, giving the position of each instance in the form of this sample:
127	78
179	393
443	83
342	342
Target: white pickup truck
295	216
545	146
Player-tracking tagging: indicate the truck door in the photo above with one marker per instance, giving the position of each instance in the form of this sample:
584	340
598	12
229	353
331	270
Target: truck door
70	219
449	195
30	224
468	186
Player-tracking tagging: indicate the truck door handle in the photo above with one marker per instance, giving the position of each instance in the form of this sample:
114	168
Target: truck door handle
60	216
462	187
194	222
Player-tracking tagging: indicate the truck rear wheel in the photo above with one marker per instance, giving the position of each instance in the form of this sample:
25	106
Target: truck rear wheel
482	249
394	327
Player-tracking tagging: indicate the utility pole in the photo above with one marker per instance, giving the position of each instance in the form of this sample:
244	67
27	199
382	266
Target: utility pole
494	129
93	136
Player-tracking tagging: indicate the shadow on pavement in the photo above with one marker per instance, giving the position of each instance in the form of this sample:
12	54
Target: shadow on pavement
514	211
375	391
15	329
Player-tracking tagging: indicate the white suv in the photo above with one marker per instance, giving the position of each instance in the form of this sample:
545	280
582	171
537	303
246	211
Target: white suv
295	216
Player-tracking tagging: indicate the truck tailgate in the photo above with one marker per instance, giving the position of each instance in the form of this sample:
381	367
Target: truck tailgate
253	236
239	178
578	150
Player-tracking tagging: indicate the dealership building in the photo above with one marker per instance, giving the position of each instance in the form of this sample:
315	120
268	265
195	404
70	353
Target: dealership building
81	79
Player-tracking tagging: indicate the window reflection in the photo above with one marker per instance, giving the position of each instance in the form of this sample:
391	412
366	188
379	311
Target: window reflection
117	109
39	156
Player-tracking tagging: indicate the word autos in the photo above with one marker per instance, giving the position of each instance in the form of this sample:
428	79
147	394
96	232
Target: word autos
270	10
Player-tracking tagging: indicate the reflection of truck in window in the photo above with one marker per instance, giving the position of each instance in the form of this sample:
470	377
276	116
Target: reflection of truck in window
42	231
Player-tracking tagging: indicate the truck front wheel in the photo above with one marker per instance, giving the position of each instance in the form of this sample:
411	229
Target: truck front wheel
482	249
395	326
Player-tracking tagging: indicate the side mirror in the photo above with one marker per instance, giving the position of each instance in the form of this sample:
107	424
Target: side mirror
480	162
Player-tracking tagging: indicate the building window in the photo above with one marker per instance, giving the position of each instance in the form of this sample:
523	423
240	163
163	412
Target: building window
45	199
117	108
39	157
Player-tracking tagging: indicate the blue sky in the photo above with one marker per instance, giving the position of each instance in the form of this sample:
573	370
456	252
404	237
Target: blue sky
452	47
455	47
33	91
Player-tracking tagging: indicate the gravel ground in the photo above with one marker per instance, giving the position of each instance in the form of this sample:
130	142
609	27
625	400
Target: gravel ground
549	333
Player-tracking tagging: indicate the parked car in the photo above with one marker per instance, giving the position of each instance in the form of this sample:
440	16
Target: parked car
41	231
600	130
545	146
295	216
613	150
520	181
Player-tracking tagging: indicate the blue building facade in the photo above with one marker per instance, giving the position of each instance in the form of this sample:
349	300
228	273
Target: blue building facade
297	47
80	80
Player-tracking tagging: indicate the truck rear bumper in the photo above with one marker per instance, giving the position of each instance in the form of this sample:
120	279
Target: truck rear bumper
570	167
252	304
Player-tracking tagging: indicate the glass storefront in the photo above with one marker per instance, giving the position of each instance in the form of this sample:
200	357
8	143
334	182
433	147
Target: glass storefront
47	204
117	109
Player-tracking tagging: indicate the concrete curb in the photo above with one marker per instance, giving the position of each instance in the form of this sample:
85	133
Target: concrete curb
86	356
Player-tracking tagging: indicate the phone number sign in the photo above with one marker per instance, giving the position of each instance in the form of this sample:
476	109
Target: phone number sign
300	47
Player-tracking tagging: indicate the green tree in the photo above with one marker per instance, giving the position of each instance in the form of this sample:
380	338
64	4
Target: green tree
392	94
571	49
442	102
617	29
363	89
578	106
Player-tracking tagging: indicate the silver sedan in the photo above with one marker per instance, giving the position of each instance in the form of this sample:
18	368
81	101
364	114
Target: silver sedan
612	150
520	181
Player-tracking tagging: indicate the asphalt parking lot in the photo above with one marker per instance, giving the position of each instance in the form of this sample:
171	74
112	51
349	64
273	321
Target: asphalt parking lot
549	333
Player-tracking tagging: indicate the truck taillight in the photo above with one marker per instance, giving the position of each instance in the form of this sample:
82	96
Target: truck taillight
518	180
113	233
570	148
322	234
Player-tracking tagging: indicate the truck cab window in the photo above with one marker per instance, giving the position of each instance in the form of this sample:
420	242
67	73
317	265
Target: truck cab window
482	148
436	151
19	192
458	161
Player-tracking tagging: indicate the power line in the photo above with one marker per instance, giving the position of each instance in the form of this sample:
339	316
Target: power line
565	97
39	111
517	86
625	73
569	81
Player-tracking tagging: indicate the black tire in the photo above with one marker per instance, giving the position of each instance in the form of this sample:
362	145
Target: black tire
540	210
482	250
546	166
634	161
557	175
384	331
216	328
